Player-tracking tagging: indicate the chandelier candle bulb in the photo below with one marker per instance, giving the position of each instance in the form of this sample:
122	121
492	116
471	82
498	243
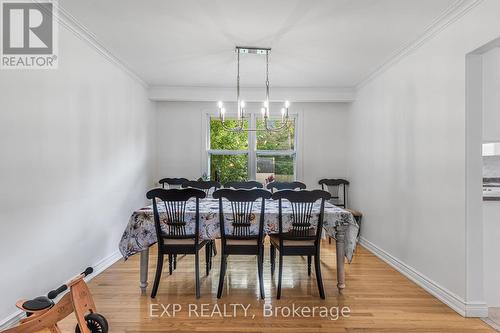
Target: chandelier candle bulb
222	113
242	109
266	108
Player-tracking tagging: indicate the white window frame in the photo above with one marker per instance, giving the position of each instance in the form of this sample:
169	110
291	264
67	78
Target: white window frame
252	151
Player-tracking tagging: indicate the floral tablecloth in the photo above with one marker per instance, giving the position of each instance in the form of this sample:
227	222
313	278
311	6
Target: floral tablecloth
140	231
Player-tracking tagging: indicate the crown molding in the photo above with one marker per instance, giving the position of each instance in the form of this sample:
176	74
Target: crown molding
212	94
173	93
454	12
69	22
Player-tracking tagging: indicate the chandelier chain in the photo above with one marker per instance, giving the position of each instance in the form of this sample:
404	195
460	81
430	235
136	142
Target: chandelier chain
267	76
238	83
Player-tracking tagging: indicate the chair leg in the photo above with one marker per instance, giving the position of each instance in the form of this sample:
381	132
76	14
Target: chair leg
319	279
329	240
175	262
214	247
222	274
197	273
309	265
280	274
273	258
159	268
207	258
260	268
170	267
210	255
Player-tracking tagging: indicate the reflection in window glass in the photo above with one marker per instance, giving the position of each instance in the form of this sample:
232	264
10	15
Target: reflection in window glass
277	167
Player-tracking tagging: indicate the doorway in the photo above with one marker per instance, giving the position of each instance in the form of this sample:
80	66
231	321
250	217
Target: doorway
483	178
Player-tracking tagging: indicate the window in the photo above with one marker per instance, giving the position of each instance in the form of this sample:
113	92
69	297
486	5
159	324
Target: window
261	155
275	153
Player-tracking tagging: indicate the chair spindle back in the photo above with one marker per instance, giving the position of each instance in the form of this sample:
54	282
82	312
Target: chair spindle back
242	203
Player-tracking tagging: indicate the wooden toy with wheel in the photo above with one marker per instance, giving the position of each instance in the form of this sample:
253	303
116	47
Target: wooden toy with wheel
42	314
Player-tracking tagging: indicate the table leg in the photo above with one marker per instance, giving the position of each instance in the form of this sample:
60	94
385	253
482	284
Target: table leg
144	270
340	243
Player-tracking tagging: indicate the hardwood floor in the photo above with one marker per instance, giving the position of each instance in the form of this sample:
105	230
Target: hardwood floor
379	298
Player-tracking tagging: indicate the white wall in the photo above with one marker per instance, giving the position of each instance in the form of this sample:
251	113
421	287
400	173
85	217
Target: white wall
491	95
322	143
75	159
407	147
179	139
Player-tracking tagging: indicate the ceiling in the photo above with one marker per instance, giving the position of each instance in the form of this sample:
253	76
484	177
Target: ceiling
315	43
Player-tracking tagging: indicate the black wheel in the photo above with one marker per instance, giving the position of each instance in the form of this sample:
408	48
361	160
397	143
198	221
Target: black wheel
96	323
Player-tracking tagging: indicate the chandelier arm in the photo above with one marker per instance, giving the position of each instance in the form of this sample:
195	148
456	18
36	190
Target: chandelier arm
240	128
264	130
276	129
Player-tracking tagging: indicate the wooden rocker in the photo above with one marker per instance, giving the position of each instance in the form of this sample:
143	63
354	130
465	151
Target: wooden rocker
42	314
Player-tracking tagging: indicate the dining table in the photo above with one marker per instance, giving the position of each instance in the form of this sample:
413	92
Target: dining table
140	234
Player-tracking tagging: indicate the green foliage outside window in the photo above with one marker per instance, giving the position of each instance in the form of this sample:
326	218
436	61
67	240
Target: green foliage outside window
229	168
226	168
280	140
281	167
222	139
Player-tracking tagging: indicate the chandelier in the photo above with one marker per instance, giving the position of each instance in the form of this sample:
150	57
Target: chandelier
241	115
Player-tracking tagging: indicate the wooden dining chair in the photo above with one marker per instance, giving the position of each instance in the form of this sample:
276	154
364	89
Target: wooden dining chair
334	186
248	185
203	185
304	238
172	182
174	237
237	235
285	186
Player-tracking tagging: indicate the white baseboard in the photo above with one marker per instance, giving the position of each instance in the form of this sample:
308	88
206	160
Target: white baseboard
449	298
11	320
104	264
99	267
